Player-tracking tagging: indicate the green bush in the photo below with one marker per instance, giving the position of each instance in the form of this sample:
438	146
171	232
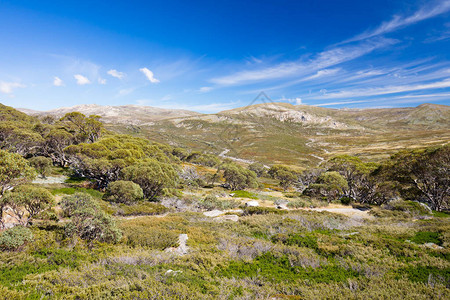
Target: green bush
87	220
142	208
423	237
42	164
346	200
301	240
411	207
279	269
249	211
155	233
121	191
211	202
422	273
14	237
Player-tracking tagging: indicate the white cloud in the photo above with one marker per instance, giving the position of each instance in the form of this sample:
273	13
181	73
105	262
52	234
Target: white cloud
366	92
58	81
204	108
149	74
117	74
295	101
323	60
101	80
398	22
322	73
124	92
8	87
205	89
81	80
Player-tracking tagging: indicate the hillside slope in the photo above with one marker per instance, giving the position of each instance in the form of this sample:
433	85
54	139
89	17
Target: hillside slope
281	132
126	114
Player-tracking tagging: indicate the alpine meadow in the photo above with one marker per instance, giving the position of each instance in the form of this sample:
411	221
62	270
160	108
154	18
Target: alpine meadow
225	150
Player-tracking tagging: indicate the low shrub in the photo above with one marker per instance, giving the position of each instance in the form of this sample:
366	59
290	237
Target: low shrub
346	200
250	211
306	202
279	269
423	273
87	220
211	202
301	240
142	208
423	237
122	191
411	207
154	233
14	237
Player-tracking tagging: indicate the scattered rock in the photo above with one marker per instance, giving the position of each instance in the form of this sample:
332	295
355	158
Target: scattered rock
182	248
432	246
213	213
172	272
50	180
282	206
253	203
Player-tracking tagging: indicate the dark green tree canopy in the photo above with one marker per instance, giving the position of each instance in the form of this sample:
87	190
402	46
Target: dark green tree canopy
122	191
152	176
26	201
14	170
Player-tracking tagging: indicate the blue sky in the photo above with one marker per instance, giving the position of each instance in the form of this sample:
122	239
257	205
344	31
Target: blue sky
210	56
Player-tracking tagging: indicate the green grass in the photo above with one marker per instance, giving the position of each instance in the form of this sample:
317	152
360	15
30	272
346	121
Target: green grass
423	237
279	269
441	214
422	273
244	194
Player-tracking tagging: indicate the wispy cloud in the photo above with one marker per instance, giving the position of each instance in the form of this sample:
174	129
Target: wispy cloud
205	89
398	22
124	92
323	60
149	74
295	101
81	80
376	91
101	80
117	74
8	87
57	81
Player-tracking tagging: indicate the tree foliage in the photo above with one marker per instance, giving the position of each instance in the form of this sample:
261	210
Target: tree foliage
13	238
424	173
153	176
284	174
126	192
14	170
88	221
83	128
43	165
330	185
258	168
238	177
360	185
26	201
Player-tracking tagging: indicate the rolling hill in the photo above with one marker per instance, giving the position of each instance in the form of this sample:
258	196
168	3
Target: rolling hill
280	132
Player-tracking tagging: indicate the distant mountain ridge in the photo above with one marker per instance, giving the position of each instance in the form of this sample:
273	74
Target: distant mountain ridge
125	114
281	132
425	114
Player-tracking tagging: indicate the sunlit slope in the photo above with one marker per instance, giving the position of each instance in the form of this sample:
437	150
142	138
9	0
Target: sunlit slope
303	135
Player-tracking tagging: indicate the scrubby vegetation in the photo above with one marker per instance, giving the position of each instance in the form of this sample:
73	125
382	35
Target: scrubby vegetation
111	227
